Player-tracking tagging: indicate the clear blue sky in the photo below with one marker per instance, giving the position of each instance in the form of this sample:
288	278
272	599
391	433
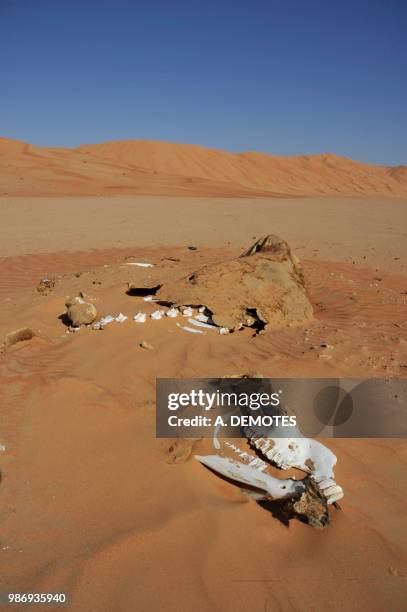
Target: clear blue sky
280	76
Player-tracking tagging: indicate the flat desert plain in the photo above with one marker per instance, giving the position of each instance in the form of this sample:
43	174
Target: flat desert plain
92	503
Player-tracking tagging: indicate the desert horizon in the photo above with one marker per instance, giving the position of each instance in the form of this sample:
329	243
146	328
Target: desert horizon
142	167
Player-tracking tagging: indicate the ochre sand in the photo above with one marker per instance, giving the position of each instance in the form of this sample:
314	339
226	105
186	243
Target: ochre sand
163	168
93	504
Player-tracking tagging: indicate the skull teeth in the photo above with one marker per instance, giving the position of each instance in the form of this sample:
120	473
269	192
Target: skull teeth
333	498
325	484
332	490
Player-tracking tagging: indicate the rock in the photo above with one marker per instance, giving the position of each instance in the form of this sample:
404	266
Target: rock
19	335
264	287
272	244
146	345
45	285
80	312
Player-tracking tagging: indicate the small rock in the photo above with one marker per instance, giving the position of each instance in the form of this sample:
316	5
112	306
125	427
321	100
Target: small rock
146	345
192	248
45	284
20	335
80	312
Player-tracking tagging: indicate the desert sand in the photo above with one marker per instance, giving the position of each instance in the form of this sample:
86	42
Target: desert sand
162	168
92	502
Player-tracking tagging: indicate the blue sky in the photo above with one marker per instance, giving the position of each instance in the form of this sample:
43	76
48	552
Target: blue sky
281	76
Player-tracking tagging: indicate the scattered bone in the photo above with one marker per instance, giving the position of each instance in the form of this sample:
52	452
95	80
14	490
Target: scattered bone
223	331
140	317
110	319
150	298
80	312
157	315
201	324
187	312
139	263
103	322
172	313
189	329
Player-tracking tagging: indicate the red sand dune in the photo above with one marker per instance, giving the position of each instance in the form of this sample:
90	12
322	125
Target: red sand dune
162	168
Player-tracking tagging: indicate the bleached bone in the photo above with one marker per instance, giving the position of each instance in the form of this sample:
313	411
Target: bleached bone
254	462
190	329
103	322
267	486
305	454
109	319
200	324
157	314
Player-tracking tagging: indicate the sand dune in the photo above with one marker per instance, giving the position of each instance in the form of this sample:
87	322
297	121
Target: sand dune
162	168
